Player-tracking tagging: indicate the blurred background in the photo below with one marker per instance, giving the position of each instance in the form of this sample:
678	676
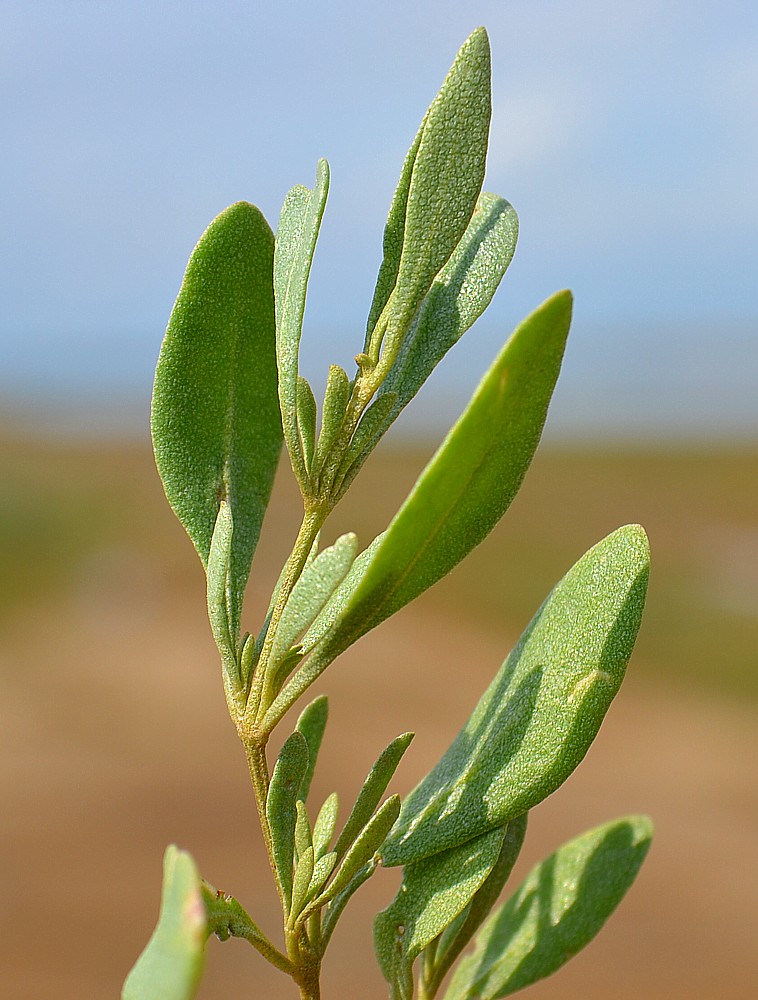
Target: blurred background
626	139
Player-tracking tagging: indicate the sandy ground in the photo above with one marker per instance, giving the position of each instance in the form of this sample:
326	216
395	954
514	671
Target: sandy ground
115	742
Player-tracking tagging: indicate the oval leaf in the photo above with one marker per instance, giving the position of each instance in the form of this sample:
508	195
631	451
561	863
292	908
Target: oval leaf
171	965
215	416
537	719
561	906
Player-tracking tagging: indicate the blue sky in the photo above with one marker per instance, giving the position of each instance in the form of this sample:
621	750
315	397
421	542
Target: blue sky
625	136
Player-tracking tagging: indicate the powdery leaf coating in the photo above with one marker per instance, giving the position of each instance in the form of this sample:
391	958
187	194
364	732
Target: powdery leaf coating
561	906
296	235
172	963
433	892
537	719
215	417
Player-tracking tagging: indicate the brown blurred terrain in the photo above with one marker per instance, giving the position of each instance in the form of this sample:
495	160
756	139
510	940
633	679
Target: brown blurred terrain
115	740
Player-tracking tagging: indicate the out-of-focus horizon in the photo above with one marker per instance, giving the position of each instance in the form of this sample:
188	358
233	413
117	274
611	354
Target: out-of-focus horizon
625	138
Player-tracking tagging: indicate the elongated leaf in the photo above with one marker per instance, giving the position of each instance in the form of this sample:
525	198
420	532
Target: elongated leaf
373	424
543	709
325	825
281	810
373	788
366	844
172	963
303	832
341	597
561	906
433	892
301	883
336	397
459	295
296	236
311	724
340	901
316	585
219	598
446	177
465	489
215	420
306	420
458	934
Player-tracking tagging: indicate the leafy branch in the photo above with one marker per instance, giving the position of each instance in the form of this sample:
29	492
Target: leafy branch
228	396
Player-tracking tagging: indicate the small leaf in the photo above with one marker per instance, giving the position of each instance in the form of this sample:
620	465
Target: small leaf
172	963
373	788
306	420
365	845
219	598
310	594
326	822
311	724
336	398
281	810
303	834
433	892
321	871
301	884
296	236
537	719
467	486
459	295
446	175
560	907
215	417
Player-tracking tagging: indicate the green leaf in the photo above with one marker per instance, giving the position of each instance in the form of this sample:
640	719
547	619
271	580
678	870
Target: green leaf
537	719
311	724
336	398
433	892
303	832
301	884
325	825
327	618
215	419
467	486
306	420
172	963
458	934
443	181
561	906
365	845
219	599
341	899
459	295
296	236
373	788
373	424
310	594
281	810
